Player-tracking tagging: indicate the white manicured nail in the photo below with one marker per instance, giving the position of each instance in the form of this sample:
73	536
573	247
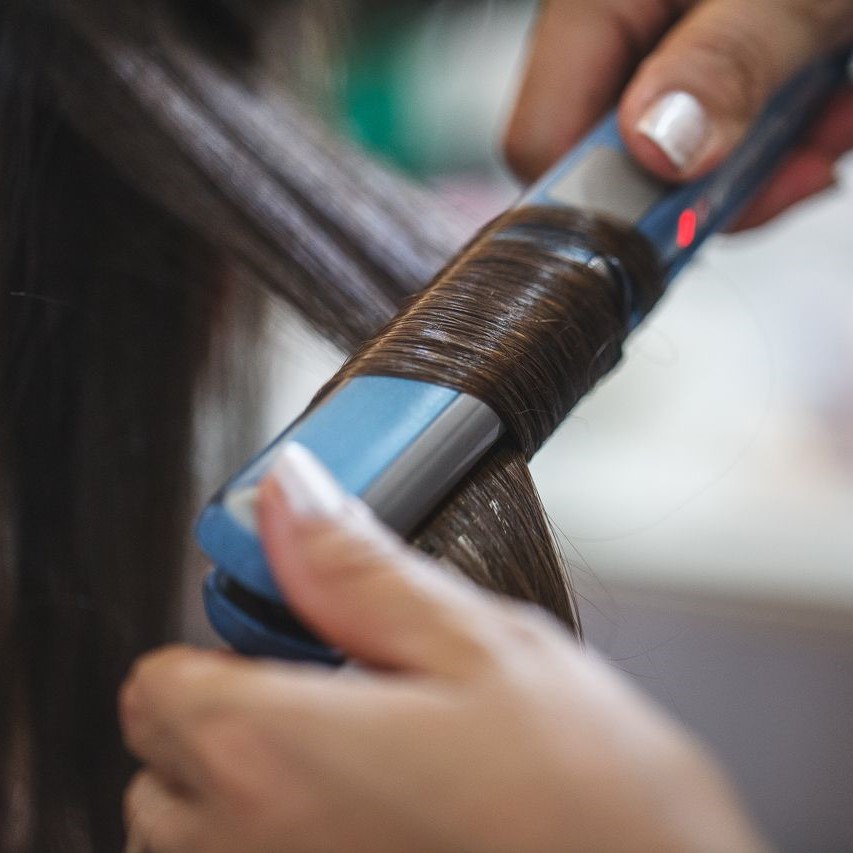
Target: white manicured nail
678	124
241	505
310	489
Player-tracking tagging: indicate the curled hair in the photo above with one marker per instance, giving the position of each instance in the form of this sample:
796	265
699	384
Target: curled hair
525	326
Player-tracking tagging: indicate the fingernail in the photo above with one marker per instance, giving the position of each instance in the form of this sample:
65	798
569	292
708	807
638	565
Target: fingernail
678	124
241	504
310	489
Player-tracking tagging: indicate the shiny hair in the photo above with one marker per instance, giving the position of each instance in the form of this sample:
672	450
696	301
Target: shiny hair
157	184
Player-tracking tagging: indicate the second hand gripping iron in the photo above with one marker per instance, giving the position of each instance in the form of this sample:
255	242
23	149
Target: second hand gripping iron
401	445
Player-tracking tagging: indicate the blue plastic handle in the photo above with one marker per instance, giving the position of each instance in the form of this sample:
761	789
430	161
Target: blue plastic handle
714	201
717	199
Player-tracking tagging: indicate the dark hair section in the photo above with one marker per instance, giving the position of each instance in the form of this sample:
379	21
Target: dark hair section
247	167
147	180
101	345
152	171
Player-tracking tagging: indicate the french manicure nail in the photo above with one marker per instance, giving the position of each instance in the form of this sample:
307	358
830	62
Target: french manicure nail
310	489
241	505
678	124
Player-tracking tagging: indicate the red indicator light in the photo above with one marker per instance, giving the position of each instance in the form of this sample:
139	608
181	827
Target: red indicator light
686	229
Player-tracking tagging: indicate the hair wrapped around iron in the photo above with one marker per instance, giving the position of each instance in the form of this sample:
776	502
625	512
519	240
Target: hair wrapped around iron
154	172
519	322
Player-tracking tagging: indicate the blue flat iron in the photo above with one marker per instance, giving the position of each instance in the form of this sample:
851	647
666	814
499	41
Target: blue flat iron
402	445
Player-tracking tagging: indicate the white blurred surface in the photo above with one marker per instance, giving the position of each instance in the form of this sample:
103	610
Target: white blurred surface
720	456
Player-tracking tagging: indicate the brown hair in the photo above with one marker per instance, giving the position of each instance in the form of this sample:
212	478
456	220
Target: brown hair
149	172
519	321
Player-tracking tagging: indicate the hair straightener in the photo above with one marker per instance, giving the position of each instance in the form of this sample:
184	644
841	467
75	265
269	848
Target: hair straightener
401	445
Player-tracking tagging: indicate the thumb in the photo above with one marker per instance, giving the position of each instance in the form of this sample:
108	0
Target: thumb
360	587
694	98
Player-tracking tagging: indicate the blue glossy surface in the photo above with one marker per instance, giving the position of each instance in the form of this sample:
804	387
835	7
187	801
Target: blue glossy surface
356	433
368	424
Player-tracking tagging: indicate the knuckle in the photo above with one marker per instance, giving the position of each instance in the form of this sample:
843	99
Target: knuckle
480	649
356	552
168	690
526	622
184	674
341	559
225	745
158	671
823	18
737	66
247	777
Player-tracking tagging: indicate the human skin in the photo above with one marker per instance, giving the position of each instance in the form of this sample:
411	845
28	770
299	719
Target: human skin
472	723
586	56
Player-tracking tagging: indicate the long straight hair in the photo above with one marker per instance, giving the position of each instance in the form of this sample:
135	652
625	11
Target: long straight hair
153	173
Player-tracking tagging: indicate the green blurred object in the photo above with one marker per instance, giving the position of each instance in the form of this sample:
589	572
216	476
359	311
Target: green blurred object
374	89
425	84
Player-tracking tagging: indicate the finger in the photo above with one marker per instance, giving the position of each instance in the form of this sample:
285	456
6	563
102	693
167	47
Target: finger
833	132
804	174
810	169
161	704
184	711
159	819
359	586
580	58
266	728
192	717
695	97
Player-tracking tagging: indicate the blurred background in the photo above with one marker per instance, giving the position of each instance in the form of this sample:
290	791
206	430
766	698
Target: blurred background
704	493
